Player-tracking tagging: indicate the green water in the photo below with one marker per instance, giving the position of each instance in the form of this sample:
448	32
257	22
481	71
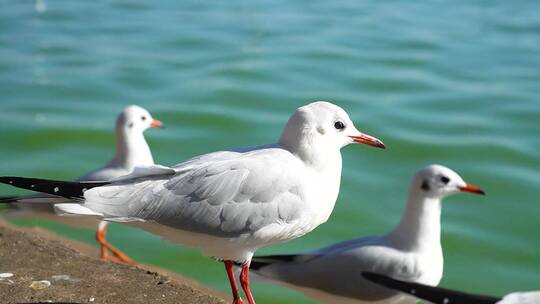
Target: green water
450	82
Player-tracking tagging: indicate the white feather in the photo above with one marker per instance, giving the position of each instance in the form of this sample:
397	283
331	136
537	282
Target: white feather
74	210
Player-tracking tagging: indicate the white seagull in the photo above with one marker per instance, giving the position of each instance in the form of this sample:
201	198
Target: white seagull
411	251
440	295
230	203
131	151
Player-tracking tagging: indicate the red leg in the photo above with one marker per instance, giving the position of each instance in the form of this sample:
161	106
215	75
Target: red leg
100	237
232	280
244	280
119	255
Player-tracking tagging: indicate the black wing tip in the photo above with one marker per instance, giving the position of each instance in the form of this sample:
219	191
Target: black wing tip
8	179
278	257
266	260
256	265
66	189
431	293
384	280
372	276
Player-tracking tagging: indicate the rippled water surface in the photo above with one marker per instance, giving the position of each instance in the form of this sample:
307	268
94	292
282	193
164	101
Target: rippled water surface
450	82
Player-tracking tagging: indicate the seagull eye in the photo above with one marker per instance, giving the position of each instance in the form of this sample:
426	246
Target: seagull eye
339	125
445	180
143	118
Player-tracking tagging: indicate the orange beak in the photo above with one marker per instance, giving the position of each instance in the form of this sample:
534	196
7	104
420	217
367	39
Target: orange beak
472	189
156	124
368	140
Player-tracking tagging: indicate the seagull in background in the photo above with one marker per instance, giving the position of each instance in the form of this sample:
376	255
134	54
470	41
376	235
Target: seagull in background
440	295
131	151
229	203
411	251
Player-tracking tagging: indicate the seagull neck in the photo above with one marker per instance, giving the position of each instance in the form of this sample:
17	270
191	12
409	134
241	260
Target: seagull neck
420	225
323	158
324	166
131	149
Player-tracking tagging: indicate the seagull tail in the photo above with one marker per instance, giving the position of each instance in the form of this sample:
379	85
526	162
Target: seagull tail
430	293
71	190
74	210
27	204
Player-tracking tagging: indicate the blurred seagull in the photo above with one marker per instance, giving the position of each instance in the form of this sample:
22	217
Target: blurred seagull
229	203
131	151
411	251
447	296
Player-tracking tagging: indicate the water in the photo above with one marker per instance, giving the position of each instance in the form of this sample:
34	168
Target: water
450	82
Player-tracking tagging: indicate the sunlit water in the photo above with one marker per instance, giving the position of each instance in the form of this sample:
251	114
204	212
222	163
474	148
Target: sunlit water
450	82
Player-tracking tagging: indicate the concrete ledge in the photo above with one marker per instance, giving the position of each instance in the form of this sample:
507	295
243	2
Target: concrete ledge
77	277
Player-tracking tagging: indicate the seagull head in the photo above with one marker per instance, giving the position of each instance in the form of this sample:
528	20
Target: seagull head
323	125
439	181
136	119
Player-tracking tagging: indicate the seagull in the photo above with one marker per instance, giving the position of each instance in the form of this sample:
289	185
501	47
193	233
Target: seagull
411	251
440	295
229	203
131	151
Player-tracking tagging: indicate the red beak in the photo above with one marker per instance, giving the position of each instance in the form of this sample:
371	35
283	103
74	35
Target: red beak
472	189
156	124
368	140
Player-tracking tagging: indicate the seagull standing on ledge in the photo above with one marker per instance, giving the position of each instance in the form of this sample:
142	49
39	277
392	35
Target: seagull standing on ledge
440	295
229	203
411	251
131	151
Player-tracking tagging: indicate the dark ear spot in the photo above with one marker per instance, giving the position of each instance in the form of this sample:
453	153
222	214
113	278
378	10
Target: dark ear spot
425	185
130	125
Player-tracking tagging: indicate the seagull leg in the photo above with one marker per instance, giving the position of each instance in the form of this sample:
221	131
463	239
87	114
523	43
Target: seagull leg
100	236
232	280
101	233
119	256
244	280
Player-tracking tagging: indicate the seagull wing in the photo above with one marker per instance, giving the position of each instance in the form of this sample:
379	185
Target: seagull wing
225	196
343	262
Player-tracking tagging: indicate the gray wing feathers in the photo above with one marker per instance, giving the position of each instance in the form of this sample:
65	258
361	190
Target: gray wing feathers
213	185
222	198
233	197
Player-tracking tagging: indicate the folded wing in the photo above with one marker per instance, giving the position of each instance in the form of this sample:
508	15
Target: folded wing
228	196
